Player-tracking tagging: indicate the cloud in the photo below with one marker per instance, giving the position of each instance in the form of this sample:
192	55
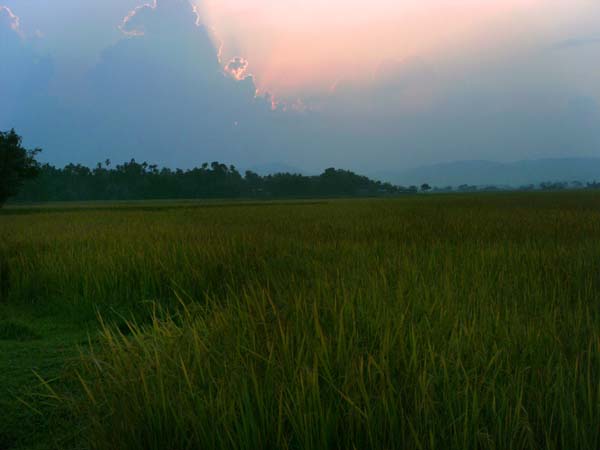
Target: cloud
159	91
576	42
237	67
125	25
396	89
508	106
24	74
161	94
158	16
9	20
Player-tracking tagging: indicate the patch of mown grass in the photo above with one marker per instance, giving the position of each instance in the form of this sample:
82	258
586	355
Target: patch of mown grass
458	322
29	420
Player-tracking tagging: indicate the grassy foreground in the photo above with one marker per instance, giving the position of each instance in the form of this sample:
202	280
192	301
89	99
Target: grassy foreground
431	322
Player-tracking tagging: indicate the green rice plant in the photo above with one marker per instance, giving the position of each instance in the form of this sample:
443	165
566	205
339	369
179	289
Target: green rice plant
454	322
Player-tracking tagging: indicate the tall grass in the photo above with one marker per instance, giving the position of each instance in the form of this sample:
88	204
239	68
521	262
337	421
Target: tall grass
441	322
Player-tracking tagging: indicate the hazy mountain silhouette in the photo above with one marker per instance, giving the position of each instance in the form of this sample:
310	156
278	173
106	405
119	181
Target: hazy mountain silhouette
479	172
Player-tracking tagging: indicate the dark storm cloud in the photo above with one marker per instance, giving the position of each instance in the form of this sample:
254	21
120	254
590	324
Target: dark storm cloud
158	94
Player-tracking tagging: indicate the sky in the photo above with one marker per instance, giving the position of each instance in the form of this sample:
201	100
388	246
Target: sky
371	86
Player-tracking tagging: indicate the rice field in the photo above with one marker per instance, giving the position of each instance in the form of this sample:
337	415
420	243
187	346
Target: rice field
424	322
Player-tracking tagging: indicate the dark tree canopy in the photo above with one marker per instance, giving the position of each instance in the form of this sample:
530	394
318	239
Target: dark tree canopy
16	165
137	181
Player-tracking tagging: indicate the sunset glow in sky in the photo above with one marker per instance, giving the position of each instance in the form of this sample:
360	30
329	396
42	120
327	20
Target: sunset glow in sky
297	46
309	83
292	45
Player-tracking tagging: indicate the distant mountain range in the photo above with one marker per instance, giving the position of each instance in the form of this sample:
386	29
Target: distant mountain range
483	173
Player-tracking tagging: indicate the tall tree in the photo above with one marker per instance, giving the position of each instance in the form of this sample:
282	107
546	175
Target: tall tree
17	164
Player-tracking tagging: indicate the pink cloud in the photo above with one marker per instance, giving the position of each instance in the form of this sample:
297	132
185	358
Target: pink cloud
297	46
12	19
237	68
125	24
135	22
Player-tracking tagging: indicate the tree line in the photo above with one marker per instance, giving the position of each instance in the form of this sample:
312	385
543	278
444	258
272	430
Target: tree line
25	179
22	177
133	180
